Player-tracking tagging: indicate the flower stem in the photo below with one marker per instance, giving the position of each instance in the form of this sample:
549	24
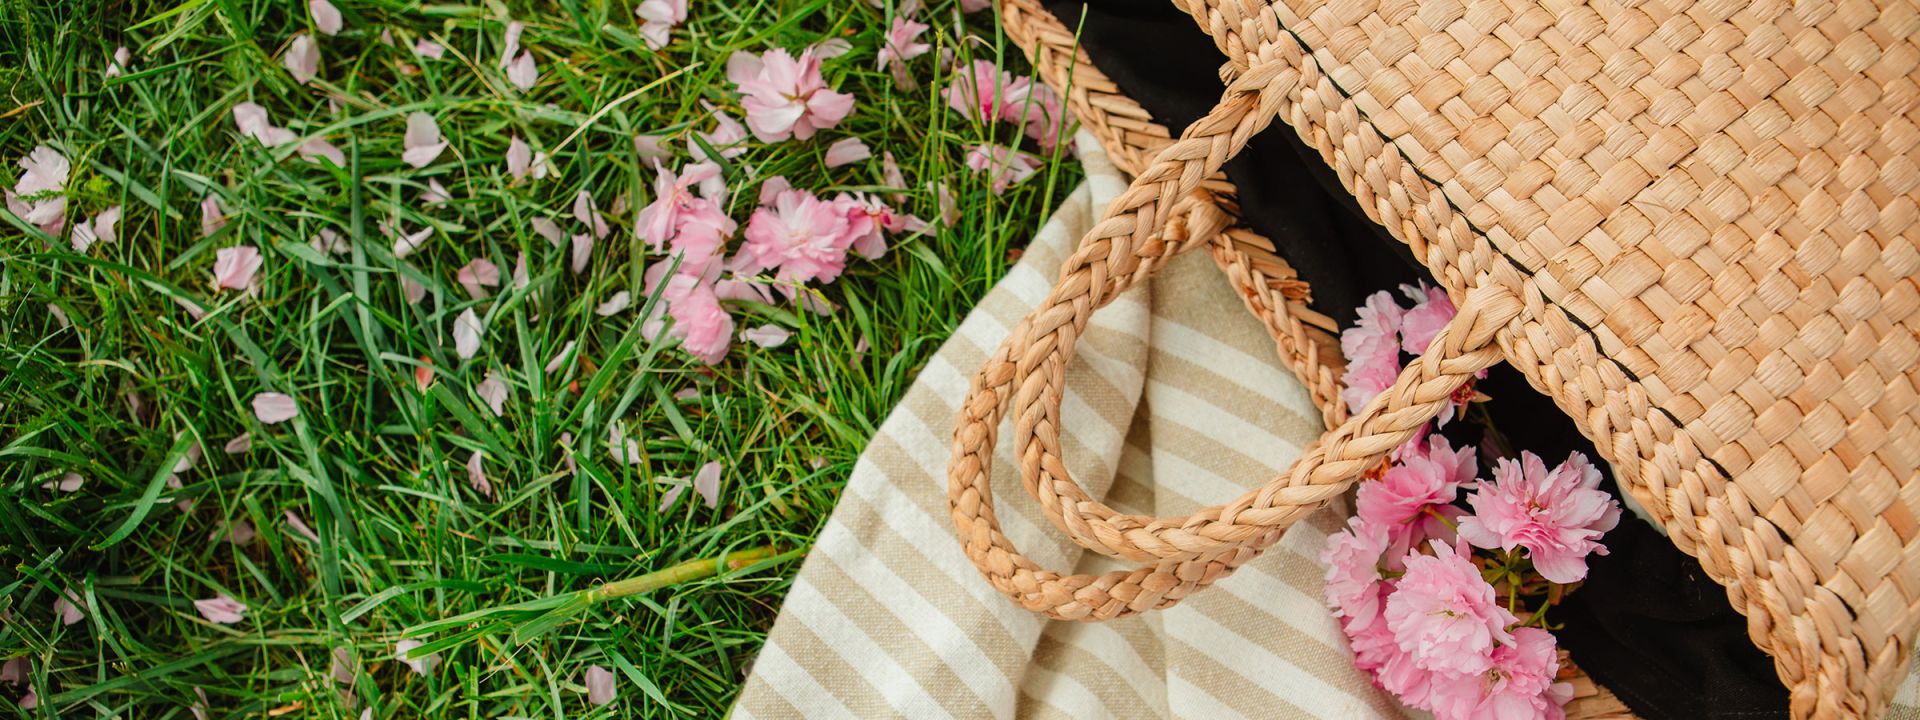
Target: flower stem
683	572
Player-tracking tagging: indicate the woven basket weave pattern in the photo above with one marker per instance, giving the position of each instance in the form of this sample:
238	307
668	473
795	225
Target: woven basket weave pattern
1688	224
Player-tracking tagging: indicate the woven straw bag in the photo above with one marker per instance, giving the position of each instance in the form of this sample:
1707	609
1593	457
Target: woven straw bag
1692	225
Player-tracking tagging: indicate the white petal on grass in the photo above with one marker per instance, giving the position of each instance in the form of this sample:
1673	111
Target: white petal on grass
422	665
477	275
766	336
832	48
68	483
59	316
519	158
707	483
585	211
273	408
122	59
600	689
650	147
344	667
510	42
850	150
494	393
614	305
428	49
238	532
212	215
523	72
221	609
326	17
405	244
477	474
520	277
623	449
561	358
319	149
547	228
240	444
423	142
582	252
412	290
302	59
466	334
686	394
299	527
670	497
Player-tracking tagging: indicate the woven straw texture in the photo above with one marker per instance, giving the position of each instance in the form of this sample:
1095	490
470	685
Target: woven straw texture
1689	224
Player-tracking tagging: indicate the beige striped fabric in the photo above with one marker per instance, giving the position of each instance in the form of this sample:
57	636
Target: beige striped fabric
1176	399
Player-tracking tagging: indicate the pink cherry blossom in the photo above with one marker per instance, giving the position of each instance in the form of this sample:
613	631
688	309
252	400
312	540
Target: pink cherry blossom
1355	589
1040	110
850	150
302	58
1519	687
422	665
1431	311
422	142
234	267
692	225
44	173
1426	478
902	44
766	336
786	97
1444	615
466	334
702	325
273	408
477	474
600	689
494	393
221	609
326	17
477	275
1557	515
213	216
658	18
801	235
1372	347
867	218
983	91
1004	166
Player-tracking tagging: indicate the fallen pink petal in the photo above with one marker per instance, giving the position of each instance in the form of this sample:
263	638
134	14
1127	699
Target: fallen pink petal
67	606
302	59
273	408
707	483
221	609
67	483
213	216
300	528
326	17
239	445
477	275
766	336
600	689
422	142
848	151
477	475
234	267
422	665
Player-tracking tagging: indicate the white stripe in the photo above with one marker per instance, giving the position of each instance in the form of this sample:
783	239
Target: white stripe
1170	402
1271	672
1187	700
1263	375
1107	645
1064	693
926	620
794	684
857	649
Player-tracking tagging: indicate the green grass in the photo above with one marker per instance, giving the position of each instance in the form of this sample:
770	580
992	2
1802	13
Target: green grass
376	466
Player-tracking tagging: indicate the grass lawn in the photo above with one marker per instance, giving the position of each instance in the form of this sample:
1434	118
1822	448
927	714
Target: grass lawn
105	374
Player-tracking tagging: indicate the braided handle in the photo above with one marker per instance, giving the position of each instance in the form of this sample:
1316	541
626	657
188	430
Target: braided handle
1126	246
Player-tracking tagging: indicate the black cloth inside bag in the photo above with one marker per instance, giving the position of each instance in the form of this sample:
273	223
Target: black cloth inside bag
1648	624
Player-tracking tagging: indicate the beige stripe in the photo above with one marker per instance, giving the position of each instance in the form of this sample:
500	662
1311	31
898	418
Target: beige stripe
795	677
1262	670
1113	690
760	699
1056	695
857	654
1207	391
1188	700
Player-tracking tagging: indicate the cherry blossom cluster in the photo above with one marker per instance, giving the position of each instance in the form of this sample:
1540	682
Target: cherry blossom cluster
1443	603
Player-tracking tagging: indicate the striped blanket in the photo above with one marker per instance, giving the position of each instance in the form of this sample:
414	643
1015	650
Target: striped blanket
1176	399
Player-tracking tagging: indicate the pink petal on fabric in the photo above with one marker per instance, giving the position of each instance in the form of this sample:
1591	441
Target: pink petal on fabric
221	609
650	148
239	445
850	150
302	59
422	665
234	267
547	228
67	606
614	305
707	483
466	334
326	17
422	142
212	216
68	483
428	49
766	336
299	527
494	393
477	474
273	408
523	72
319	149
477	275
600	689
582	253
519	158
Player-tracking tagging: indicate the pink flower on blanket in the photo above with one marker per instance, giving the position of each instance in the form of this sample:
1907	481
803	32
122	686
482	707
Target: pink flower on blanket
784	96
1557	515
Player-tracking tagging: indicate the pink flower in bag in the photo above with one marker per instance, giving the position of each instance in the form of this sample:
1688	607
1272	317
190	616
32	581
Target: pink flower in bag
1445	616
1557	515
1426	477
1372	347
1520	685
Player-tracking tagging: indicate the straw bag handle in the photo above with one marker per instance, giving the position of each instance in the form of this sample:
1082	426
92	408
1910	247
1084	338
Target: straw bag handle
1184	554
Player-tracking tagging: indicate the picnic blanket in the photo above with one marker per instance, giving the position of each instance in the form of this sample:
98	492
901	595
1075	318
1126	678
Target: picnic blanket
1176	399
